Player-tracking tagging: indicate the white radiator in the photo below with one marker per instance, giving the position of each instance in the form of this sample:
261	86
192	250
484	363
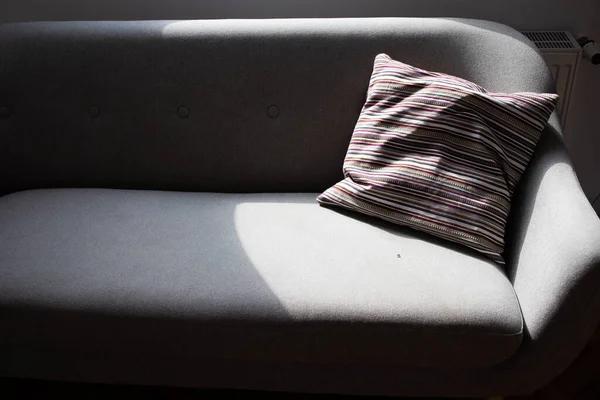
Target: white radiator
562	54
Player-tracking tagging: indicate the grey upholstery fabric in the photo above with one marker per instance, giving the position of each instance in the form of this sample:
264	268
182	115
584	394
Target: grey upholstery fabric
553	261
255	277
106	111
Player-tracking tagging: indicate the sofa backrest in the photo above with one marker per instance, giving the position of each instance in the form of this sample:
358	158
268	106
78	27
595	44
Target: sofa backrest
230	105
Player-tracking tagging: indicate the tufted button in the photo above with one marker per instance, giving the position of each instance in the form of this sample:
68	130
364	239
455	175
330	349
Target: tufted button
183	112
4	112
273	111
94	111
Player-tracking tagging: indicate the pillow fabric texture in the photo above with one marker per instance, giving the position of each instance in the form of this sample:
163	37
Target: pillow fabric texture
439	154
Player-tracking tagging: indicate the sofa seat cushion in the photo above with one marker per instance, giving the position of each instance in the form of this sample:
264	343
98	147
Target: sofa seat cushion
242	276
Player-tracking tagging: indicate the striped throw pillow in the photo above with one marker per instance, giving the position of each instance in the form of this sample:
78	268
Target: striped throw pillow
439	154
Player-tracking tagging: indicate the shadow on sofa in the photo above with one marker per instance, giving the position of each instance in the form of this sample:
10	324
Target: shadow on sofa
265	290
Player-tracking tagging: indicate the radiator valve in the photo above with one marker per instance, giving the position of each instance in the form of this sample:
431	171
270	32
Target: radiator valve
591	50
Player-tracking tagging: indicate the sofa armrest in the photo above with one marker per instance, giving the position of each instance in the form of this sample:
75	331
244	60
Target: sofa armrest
553	260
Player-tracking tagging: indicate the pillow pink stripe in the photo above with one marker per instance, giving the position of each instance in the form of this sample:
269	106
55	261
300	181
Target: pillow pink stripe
439	154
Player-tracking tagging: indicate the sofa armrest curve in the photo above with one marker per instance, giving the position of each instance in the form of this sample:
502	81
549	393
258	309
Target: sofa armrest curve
553	260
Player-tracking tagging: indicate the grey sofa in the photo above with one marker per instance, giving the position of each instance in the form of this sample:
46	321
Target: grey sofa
158	222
